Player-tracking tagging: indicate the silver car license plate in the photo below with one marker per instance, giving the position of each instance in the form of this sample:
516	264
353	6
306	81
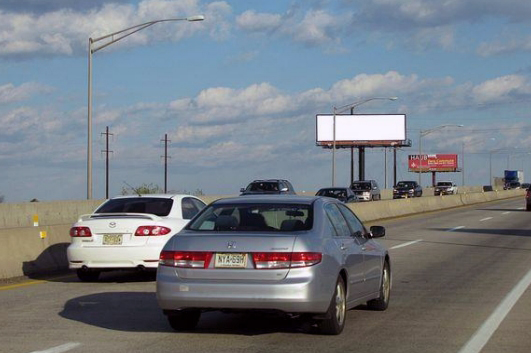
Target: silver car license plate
231	260
112	239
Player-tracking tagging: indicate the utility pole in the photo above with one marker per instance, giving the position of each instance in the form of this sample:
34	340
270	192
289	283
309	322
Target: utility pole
165	162
106	151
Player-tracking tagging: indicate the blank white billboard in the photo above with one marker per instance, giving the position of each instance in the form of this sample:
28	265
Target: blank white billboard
361	128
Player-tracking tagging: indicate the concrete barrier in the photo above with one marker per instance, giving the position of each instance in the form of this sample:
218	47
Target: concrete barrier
373	211
34	236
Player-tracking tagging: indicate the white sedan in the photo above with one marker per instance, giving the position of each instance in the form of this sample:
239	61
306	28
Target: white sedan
127	232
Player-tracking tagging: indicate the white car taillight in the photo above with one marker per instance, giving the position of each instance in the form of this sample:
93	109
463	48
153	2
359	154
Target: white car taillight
151	230
80	232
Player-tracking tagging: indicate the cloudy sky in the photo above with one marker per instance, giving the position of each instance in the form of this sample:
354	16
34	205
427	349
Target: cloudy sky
237	94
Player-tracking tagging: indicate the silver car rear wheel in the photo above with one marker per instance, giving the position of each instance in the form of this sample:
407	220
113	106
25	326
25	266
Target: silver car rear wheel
337	311
382	302
184	320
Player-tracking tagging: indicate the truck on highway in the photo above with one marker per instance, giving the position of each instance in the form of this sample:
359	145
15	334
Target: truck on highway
513	178
514	175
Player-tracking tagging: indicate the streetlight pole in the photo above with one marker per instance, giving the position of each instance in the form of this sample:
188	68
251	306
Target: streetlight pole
490	162
463	155
114	37
423	133
340	110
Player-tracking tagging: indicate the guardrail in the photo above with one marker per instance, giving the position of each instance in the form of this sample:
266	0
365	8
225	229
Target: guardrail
34	236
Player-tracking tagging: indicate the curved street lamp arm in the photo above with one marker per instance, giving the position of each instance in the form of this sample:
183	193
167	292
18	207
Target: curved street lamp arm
429	131
137	28
114	40
354	105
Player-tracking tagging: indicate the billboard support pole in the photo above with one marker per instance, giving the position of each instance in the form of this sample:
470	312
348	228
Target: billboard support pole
351	165
420	159
394	166
361	163
424	133
340	110
385	167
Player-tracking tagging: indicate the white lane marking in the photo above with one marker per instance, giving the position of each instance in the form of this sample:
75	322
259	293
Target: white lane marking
506	212
60	349
485	219
456	228
405	244
485	332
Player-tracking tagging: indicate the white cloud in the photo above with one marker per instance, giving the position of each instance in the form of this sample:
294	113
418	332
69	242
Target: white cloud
434	13
501	89
435	37
510	45
427	24
312	28
10	93
318	27
66	32
192	134
258	22
223	126
30	121
224	105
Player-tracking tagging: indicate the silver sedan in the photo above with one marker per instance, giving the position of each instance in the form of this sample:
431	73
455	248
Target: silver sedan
309	257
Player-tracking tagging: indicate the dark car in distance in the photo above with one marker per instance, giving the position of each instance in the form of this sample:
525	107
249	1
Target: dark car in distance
407	189
268	186
342	194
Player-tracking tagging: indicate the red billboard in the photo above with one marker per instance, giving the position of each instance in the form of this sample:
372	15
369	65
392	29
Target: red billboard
432	163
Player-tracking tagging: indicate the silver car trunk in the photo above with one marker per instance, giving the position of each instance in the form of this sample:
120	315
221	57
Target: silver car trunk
234	243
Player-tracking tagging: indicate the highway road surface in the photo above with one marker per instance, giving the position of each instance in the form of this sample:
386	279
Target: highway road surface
461	284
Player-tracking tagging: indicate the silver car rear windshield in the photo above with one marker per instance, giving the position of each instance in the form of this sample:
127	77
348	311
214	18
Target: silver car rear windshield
254	218
153	205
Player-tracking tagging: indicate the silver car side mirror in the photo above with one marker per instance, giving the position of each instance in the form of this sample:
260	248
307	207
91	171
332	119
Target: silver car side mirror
377	231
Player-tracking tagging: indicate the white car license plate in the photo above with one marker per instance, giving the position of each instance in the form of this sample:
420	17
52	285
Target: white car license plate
231	260
112	239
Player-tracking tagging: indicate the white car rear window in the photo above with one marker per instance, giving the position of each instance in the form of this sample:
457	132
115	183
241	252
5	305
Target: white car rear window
157	206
